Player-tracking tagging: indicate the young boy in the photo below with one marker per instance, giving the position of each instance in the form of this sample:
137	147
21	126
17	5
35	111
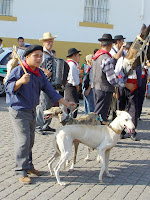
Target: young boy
22	96
73	80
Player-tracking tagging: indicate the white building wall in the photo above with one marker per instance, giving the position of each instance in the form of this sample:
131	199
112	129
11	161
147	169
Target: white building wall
62	17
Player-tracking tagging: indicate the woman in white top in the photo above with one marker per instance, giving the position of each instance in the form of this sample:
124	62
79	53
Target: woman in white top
73	80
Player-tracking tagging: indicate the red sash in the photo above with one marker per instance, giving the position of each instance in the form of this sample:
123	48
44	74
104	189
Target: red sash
70	60
36	71
133	81
99	53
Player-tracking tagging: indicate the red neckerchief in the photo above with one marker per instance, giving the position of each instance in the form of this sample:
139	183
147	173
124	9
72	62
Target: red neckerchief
88	69
36	71
70	60
99	53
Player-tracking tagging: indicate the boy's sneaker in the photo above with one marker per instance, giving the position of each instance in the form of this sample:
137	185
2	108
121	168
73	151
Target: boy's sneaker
34	172
25	180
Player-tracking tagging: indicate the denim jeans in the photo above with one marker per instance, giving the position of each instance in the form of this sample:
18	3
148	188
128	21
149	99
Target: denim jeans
88	102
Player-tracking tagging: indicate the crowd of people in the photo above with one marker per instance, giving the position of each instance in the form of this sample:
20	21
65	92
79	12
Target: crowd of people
104	83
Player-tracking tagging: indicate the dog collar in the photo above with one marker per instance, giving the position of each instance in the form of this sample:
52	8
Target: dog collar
115	130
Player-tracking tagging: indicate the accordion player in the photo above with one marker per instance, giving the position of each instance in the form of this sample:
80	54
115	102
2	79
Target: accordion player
60	70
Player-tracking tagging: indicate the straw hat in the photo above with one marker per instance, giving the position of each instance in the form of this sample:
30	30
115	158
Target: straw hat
47	36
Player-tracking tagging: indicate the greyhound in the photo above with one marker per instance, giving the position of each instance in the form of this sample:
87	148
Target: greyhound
103	138
92	119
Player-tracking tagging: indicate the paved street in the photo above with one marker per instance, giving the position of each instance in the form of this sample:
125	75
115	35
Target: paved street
129	162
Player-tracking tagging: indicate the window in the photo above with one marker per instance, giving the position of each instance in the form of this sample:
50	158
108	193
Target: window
6	7
96	11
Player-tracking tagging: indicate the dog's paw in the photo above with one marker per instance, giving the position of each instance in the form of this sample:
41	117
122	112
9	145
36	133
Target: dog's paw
100	181
98	159
86	159
71	169
62	183
110	175
52	174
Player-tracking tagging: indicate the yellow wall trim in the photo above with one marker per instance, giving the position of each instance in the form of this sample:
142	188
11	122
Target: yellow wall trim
96	25
61	47
7	18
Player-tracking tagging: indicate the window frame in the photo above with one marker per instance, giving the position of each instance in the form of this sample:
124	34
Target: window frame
95	4
6	10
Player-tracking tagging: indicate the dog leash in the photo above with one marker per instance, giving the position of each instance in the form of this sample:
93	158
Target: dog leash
101	120
71	113
69	116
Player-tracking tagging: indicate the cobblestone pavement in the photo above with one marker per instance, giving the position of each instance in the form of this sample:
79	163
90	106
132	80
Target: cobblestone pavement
129	162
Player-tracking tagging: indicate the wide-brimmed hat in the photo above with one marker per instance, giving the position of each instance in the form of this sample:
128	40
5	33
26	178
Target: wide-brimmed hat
128	45
32	48
47	36
106	37
119	37
72	51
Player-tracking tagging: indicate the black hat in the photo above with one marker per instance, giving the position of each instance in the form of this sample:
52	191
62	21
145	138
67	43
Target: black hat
119	37
32	48
128	45
106	37
72	51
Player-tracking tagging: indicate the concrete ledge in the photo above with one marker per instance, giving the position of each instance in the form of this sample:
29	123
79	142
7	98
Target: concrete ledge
96	25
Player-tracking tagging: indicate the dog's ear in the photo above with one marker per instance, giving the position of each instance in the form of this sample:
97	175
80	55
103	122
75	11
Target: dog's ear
118	112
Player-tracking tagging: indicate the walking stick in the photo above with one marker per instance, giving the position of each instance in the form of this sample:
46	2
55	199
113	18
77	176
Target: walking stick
14	51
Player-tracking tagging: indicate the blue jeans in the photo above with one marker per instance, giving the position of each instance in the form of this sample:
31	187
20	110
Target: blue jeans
88	102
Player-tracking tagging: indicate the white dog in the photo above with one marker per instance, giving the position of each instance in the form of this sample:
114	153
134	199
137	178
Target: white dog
90	119
100	137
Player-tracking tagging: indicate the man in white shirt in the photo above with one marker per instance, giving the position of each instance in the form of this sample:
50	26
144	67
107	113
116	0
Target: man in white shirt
117	50
128	96
118	53
73	80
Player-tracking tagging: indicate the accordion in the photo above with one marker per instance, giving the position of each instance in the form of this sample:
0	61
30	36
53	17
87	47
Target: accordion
60	70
